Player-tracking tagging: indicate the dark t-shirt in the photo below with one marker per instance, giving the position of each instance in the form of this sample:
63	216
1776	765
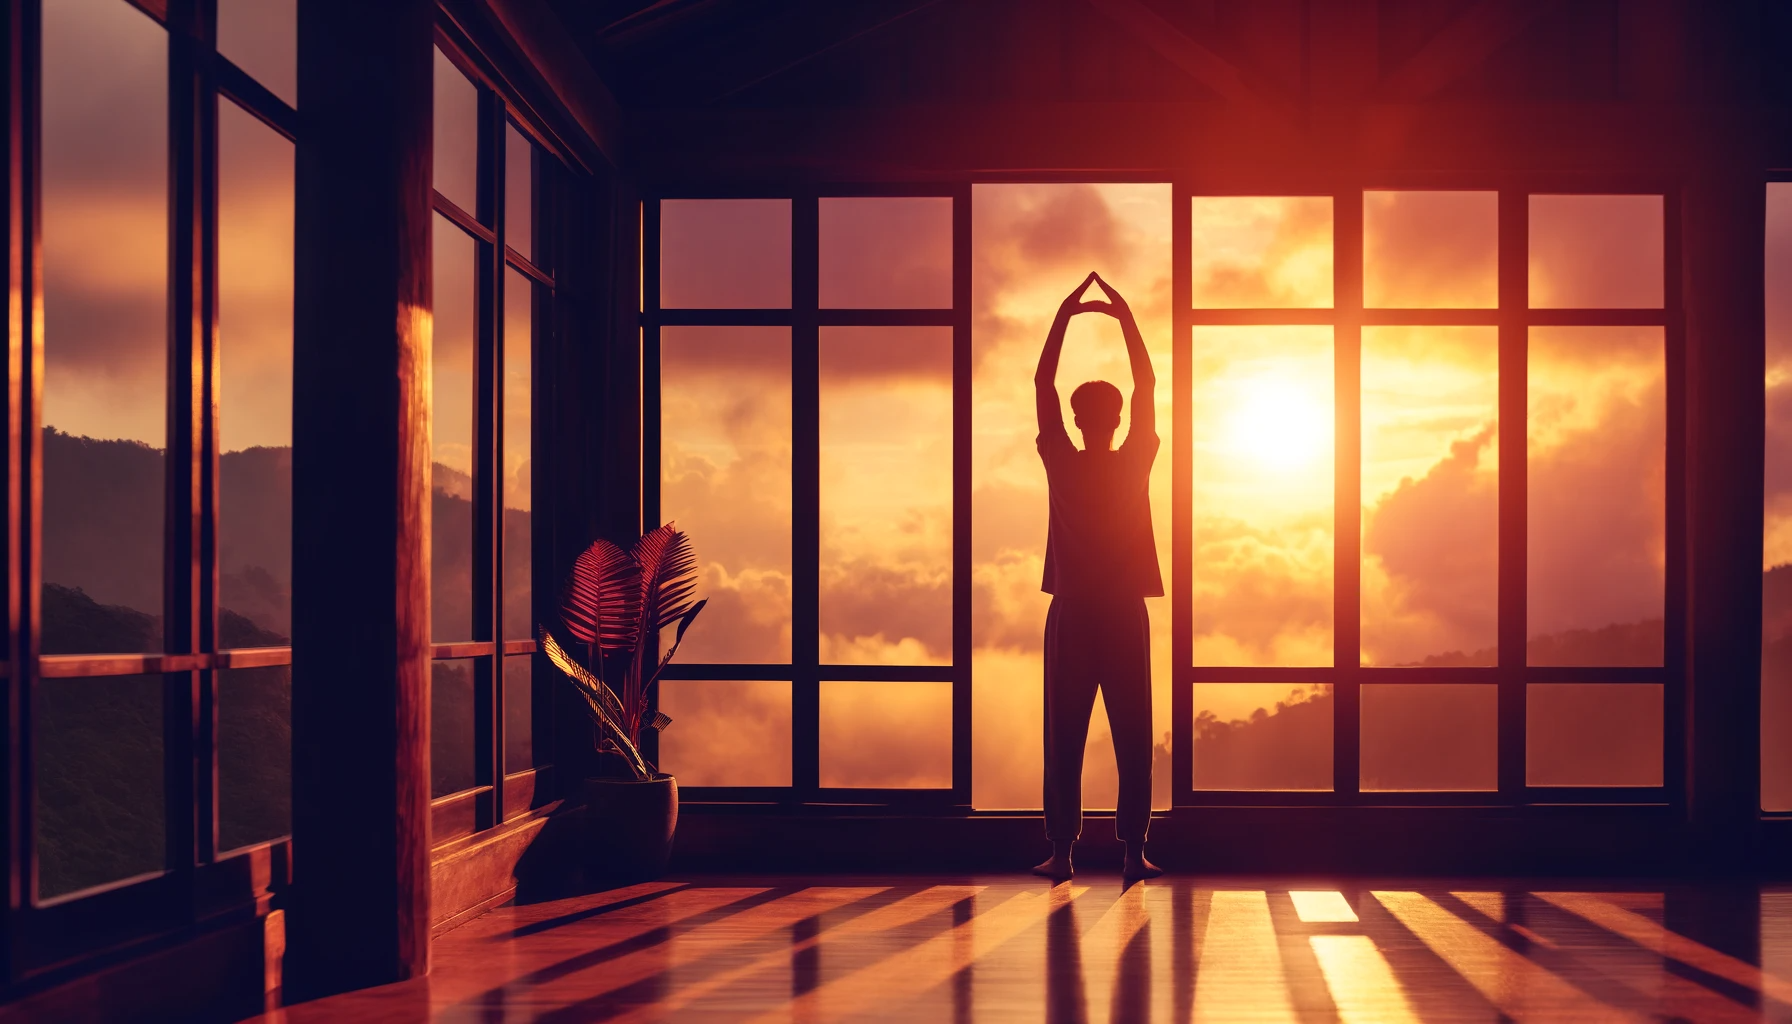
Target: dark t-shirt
1100	541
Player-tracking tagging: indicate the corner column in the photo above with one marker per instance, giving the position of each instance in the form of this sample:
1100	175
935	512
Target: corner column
359	913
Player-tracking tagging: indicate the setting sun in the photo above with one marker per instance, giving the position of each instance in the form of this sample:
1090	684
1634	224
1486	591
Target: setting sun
1276	423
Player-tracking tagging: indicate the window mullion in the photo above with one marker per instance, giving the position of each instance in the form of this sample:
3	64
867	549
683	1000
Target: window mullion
1347	301
487	461
1514	292
962	485
1182	628
805	494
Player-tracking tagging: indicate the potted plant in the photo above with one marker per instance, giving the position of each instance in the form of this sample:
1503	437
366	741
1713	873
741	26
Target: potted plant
614	607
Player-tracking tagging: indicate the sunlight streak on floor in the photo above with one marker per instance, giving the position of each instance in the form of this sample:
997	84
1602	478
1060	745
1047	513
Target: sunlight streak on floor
921	967
1322	907
1518	987
1241	975
1361	983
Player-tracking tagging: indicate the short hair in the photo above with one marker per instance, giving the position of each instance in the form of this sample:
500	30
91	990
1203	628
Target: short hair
1096	402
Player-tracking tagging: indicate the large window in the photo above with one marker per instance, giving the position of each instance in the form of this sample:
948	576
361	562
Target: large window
492	290
156	483
1415	511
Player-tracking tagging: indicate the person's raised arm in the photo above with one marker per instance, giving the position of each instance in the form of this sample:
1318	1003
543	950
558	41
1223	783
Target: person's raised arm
1144	379
1045	378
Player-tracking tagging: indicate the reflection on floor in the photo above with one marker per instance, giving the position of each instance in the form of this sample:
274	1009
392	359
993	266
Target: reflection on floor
1174	949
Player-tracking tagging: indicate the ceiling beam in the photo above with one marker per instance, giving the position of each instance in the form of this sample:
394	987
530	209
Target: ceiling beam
888	18
1197	61
1460	47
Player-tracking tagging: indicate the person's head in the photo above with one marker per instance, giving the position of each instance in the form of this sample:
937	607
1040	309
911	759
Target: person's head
1096	405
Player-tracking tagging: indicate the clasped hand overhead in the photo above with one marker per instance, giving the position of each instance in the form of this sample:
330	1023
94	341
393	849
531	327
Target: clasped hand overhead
1115	306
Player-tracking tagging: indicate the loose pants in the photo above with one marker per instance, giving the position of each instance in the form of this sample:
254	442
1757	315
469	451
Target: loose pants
1093	643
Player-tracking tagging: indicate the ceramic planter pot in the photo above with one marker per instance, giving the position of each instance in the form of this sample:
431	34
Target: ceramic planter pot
629	827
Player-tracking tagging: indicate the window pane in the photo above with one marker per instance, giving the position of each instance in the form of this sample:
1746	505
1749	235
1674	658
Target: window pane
519	373
451	437
1593	734
886	253
456	137
886	495
1263	736
725	481
254	755
255	253
1262	251
1597	552
519	192
261	37
886	735
100	799
1431	250
450	726
1430	737
105	280
1776	564
519	713
1032	244
1430	463
734	733
1263	495
724	253
1596	251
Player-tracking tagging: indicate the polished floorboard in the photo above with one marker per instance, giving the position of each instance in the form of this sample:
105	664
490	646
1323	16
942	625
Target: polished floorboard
1014	948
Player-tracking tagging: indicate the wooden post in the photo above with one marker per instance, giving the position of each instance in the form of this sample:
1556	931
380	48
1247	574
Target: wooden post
360	909
1726	417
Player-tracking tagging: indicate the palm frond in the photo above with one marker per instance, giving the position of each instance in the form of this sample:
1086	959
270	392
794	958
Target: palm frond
668	576
606	710
602	601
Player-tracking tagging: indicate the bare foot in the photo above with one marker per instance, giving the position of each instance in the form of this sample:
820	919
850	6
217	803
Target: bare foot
1137	869
1056	867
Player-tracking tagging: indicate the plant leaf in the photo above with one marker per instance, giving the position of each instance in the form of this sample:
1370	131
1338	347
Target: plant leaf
659	722
602	601
668	576
595	689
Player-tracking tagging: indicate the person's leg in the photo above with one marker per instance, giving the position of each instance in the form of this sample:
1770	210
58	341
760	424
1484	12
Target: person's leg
1126	689
1069	698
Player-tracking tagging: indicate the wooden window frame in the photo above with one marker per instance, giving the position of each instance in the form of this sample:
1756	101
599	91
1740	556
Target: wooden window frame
1512	316
497	796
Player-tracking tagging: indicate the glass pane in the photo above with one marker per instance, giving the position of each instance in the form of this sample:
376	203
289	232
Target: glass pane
1262	251
519	713
519	373
1431	250
1263	493
725	481
450	726
734	733
724	253
1596	251
886	495
1776	563
886	253
1430	463
255	253
456	138
1597	552
105	280
254	755
262	38
1263	736
100	800
886	735
1593	734
1430	737
451	437
1032	244
519	192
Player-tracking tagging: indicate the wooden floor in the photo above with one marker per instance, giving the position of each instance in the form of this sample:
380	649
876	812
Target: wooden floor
1012	948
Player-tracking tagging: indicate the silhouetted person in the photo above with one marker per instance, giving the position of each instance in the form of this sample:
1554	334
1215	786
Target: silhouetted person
1100	565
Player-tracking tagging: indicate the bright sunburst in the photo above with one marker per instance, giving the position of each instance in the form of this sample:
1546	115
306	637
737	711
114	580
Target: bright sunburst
1277	423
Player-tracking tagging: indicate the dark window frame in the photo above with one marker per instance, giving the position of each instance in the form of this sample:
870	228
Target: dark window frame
50	936
1512	316
497	796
